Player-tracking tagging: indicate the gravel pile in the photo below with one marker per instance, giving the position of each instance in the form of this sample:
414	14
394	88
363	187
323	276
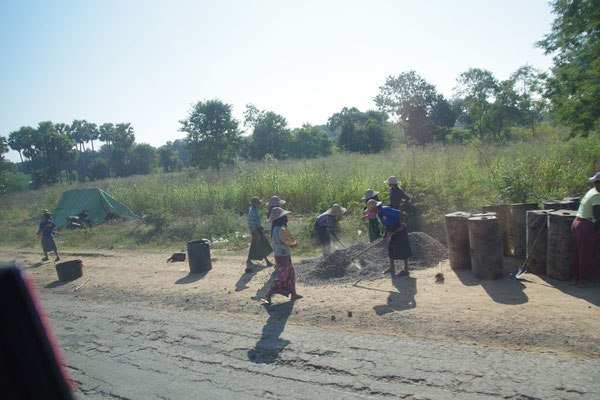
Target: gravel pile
339	268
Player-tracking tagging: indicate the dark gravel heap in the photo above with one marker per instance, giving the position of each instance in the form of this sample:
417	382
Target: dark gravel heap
339	268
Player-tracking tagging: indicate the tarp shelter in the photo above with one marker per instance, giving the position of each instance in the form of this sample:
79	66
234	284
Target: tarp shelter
97	204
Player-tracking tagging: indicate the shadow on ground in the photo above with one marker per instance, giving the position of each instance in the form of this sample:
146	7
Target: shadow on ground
241	284
270	345
403	299
191	278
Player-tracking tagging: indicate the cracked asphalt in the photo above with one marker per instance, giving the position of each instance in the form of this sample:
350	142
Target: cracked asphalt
122	351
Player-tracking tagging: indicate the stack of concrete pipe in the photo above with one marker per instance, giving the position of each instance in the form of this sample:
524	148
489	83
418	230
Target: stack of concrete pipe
478	241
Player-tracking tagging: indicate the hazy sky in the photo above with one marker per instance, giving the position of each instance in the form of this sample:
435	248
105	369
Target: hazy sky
147	62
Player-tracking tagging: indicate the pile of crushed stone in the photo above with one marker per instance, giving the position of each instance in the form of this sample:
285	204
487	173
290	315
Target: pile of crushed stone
339	268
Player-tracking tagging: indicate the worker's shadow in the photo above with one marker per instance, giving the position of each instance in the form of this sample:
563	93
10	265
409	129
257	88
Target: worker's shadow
270	345
241	284
403	299
590	293
260	293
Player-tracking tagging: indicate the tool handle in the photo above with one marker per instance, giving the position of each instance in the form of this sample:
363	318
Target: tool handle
375	244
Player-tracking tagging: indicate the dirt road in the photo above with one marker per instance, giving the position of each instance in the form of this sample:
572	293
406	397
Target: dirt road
537	314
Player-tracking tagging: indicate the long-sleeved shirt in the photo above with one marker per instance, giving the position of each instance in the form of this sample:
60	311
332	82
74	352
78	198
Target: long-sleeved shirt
396	197
325	220
254	221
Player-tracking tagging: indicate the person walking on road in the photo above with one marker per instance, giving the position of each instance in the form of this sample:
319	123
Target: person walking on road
324	227
585	227
396	231
397	196
47	230
374	232
283	242
260	247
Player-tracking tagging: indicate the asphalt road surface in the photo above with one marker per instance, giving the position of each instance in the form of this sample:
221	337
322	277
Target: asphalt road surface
132	352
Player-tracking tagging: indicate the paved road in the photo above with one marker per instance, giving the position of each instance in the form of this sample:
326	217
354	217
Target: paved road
132	352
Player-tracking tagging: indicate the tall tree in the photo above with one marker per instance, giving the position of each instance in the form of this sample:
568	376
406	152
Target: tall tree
270	135
22	141
3	149
527	82
310	142
122	140
412	102
574	42
212	134
168	159
142	159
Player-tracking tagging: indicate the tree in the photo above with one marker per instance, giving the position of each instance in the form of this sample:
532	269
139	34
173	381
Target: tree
122	140
168	159
574	42
527	82
3	149
412	102
212	134
270	135
22	141
142	159
98	169
359	131
310	142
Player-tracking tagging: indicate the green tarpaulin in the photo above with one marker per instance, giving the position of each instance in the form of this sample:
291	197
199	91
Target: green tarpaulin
96	203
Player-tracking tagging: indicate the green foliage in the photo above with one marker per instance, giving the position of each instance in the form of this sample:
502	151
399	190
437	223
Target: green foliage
142	159
424	114
440	178
310	142
574	87
270	134
13	182
212	134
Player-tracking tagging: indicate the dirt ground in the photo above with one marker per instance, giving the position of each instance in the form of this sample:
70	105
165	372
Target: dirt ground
535	314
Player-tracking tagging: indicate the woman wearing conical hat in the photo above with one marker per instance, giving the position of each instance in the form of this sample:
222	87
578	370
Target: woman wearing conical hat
283	242
324	227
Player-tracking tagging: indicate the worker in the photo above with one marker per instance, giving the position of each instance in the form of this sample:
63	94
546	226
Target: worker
396	231
283	242
397	196
47	230
585	227
260	247
324	227
374	232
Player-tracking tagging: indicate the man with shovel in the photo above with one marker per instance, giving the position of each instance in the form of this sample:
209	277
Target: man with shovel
395	229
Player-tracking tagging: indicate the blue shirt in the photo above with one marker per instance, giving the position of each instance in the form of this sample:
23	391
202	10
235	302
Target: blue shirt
389	216
47	227
253	219
325	220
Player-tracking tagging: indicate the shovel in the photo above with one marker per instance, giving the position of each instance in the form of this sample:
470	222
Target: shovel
522	270
375	244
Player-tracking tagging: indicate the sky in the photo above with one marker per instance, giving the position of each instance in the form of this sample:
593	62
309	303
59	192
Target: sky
147	62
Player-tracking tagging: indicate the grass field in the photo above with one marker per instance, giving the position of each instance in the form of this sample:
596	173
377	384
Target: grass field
439	178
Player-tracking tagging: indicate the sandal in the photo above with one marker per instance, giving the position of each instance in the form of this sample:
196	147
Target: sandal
266	301
297	297
45	259
403	273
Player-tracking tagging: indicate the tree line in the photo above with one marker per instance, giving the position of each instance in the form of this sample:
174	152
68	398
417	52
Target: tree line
408	109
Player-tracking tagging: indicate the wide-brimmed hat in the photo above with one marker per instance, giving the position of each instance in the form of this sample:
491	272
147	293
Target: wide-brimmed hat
369	194
276	213
391	181
371	204
255	200
335	210
595	178
275	201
